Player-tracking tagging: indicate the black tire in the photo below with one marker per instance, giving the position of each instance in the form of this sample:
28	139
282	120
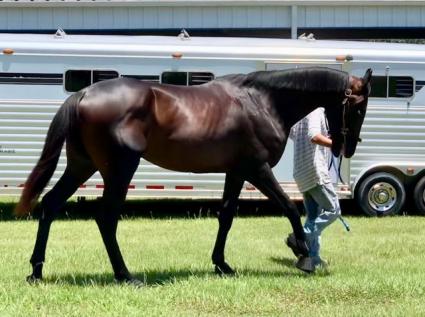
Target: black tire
381	194
419	196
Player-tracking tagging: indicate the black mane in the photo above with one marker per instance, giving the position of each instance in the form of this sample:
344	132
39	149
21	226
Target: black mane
311	79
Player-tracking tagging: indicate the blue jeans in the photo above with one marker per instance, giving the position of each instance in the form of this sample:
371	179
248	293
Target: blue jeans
322	207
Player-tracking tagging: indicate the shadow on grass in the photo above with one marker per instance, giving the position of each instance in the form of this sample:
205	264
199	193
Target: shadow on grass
283	261
291	263
161	278
167	208
153	209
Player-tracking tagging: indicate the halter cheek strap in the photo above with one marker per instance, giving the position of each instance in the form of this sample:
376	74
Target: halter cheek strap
345	104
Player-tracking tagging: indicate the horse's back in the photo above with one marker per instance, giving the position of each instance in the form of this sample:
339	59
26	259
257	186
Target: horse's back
199	129
200	112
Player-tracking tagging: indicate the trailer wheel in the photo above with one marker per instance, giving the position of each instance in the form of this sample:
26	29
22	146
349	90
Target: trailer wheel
381	194
419	195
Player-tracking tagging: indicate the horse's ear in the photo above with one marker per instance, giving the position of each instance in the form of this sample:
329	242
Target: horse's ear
367	76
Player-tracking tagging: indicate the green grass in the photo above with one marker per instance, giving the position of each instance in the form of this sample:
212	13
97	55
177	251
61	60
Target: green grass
378	269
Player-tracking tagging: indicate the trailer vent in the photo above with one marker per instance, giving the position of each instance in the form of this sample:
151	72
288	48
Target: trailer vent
200	78
403	87
149	78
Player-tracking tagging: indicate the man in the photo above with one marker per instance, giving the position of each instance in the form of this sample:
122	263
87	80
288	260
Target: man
311	157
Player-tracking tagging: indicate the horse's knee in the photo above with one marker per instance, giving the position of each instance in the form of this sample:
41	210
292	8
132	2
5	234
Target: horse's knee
48	208
225	220
292	214
226	216
107	221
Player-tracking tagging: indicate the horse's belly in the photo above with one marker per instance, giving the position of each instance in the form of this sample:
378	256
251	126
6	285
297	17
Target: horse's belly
197	157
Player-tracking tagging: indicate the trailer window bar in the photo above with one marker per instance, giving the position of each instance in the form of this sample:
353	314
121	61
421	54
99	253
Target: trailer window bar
186	78
31	79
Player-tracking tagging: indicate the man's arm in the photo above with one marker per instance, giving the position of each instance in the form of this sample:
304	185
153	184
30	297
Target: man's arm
322	140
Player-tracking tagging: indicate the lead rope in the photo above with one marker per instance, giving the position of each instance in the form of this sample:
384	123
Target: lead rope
343	221
344	131
332	163
337	169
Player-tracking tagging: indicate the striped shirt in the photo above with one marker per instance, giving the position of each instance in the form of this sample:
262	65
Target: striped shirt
310	160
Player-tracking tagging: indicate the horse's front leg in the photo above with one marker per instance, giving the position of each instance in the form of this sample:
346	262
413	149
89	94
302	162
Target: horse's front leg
264	180
232	188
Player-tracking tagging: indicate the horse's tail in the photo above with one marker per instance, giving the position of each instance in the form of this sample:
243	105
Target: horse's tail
46	165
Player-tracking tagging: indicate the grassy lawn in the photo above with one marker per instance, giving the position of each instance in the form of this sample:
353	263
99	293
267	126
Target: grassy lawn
378	269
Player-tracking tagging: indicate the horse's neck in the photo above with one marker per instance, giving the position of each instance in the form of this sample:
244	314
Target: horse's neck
292	113
303	111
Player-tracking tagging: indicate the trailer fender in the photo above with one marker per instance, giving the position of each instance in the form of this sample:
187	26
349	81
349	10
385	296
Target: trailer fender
400	169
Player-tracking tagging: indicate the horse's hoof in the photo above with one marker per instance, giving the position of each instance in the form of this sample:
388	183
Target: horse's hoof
305	264
291	242
130	281
224	269
32	279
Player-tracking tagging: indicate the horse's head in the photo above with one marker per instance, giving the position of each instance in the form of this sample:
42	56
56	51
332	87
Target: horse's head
345	133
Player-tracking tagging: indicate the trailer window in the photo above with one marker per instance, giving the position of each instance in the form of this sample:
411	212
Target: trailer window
76	80
100	75
174	78
186	78
392	87
200	78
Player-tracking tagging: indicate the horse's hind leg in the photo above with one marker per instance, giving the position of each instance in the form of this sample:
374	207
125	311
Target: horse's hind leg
232	189
51	203
264	180
117	176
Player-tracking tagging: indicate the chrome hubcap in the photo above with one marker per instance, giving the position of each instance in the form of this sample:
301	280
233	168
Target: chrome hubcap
383	196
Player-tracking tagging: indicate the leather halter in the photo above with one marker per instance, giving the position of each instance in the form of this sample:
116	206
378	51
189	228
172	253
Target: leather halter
345	103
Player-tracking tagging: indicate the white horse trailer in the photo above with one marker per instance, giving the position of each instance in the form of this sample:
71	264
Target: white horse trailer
37	72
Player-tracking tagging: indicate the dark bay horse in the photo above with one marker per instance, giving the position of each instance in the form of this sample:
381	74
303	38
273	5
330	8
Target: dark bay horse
236	124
